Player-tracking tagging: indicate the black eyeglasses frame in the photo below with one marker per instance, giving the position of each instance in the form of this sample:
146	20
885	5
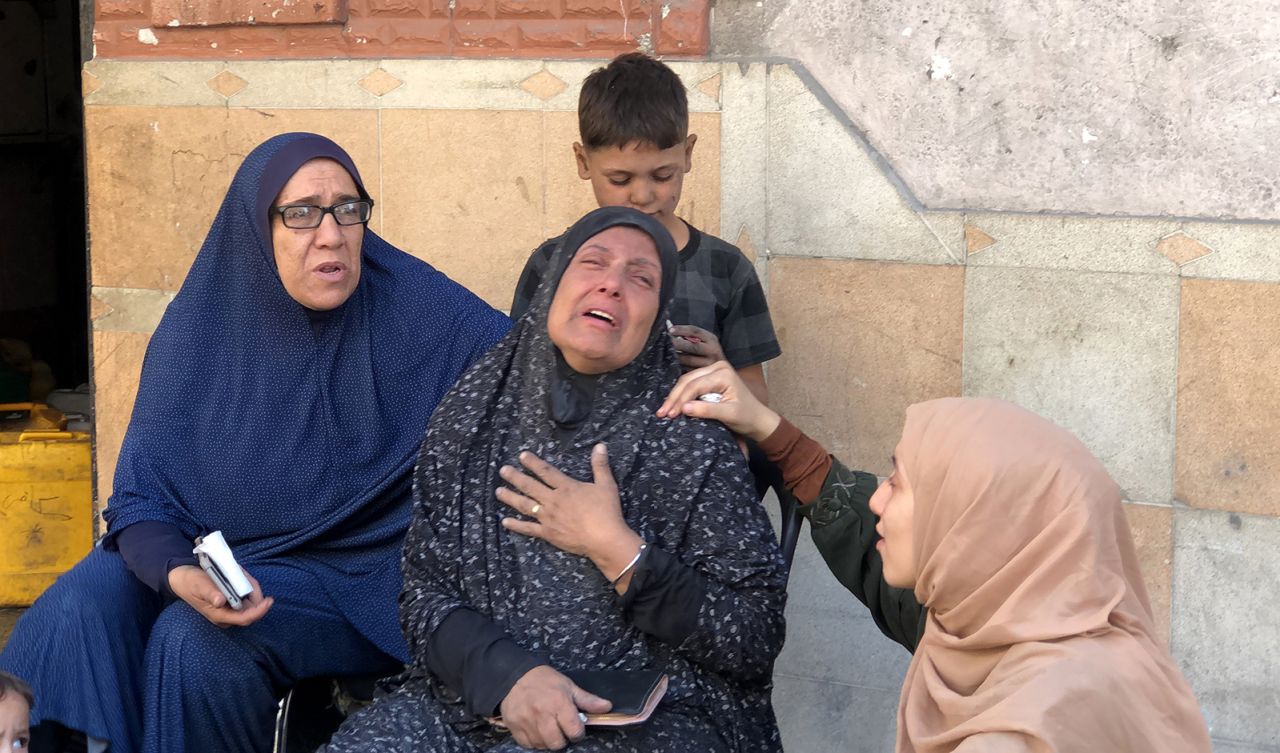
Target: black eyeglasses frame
280	210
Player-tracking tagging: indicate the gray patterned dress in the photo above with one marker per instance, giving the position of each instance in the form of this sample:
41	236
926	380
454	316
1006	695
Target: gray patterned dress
706	601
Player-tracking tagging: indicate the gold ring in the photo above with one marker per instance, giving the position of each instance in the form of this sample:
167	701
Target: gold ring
536	507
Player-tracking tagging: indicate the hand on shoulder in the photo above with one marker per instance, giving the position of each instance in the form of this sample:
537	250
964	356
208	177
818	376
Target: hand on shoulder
738	408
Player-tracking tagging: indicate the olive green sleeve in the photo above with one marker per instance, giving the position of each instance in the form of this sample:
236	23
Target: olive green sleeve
844	530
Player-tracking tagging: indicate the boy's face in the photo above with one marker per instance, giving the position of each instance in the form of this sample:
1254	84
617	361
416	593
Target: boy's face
15	719
638	175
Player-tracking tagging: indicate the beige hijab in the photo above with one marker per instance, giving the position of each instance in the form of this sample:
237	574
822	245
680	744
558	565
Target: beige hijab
1039	635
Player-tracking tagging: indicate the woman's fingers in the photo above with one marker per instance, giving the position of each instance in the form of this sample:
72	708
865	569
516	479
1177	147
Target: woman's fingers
524	527
207	592
695	384
518	502
524	483
600	466
546	473
569	724
589	702
252	612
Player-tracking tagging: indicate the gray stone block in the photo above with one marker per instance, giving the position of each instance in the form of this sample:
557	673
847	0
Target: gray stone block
1240	252
1226	567
1230	746
1094	352
824	717
830	635
829	197
1085	243
1153	108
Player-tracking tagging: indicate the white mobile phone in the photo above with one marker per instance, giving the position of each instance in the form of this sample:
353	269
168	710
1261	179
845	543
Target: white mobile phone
215	558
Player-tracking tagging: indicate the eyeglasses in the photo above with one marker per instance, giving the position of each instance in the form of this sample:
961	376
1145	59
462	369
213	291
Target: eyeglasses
308	216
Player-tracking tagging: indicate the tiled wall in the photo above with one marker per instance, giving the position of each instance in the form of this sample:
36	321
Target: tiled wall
1153	340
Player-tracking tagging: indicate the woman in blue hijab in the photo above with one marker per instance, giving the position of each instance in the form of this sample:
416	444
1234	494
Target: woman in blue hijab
282	400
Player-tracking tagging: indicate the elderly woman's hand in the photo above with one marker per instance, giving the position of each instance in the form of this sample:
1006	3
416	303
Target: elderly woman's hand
542	709
194	586
576	516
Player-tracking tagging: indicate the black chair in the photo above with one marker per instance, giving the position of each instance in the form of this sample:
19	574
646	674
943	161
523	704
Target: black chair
313	709
792	522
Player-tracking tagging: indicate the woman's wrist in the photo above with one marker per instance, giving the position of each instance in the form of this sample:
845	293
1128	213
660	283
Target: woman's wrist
765	424
615	552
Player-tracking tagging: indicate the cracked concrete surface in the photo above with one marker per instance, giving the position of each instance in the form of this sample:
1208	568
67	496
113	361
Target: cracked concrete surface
1147	107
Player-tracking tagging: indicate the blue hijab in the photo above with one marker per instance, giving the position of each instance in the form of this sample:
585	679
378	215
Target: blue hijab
293	431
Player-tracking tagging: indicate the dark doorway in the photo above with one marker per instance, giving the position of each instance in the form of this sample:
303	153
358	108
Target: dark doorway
44	322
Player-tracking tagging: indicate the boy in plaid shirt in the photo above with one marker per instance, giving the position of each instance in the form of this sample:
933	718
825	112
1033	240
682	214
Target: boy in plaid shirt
633	118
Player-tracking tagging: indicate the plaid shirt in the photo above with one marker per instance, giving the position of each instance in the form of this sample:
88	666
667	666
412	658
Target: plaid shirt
716	289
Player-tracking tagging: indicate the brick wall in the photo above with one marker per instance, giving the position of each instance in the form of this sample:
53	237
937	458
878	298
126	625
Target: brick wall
259	29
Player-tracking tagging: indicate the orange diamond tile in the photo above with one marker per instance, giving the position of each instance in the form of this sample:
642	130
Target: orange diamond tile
89	83
976	240
1181	248
543	85
227	84
380	82
711	87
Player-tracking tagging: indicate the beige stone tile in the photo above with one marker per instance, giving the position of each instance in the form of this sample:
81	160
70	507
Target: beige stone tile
700	199
167	83
744	151
861	341
1225	569
465	85
699	80
1240	251
1152	529
158	175
1228	447
569	197
493	84
1094	352
463	190
117	364
304	83
573	72
129	309
1092	244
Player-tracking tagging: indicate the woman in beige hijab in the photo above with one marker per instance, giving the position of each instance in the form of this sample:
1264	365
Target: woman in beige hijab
1038	631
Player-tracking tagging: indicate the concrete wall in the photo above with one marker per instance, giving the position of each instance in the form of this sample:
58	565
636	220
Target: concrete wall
1155	107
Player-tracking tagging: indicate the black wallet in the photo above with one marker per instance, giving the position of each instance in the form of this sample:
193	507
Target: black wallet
633	693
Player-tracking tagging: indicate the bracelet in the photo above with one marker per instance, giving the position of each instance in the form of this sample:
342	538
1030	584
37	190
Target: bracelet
630	564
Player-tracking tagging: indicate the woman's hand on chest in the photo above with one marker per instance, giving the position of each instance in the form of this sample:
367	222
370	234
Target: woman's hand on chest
579	517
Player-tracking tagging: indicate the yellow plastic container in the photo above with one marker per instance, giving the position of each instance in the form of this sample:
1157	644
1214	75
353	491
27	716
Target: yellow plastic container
46	501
